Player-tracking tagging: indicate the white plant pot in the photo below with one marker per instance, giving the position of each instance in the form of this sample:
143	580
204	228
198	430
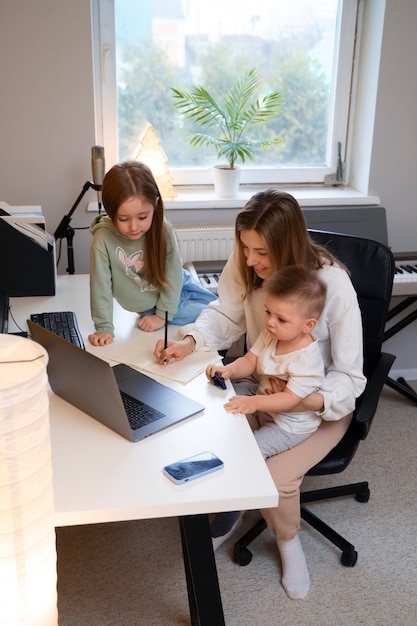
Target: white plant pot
226	181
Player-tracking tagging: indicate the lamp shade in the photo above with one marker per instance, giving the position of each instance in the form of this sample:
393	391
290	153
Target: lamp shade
28	590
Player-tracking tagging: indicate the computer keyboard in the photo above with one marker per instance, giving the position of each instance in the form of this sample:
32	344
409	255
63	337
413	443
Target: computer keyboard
62	323
138	413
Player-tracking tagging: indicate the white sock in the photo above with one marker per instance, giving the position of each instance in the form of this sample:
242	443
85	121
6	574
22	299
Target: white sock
295	576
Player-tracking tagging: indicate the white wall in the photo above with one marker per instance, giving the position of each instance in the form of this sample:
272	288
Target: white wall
394	162
394	151
47	109
47	120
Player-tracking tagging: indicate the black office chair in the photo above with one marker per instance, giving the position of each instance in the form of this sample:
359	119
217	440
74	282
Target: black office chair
4	310
372	269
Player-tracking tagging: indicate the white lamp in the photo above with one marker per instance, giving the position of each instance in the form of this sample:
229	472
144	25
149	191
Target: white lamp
28	594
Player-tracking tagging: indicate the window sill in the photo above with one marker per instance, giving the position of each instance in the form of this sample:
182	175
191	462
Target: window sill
190	198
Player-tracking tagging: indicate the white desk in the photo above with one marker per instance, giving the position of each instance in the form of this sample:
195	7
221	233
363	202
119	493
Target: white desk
101	477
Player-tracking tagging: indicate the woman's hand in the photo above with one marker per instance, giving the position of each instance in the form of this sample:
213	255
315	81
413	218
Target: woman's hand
277	385
100	339
149	323
313	402
176	351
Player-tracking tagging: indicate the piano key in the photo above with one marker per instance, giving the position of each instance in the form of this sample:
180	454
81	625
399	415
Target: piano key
209	281
207	272
405	277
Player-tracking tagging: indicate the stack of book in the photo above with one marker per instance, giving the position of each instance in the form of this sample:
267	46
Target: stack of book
27	252
29	221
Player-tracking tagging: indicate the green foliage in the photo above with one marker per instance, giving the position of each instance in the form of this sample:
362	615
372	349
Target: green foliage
304	119
144	96
229	118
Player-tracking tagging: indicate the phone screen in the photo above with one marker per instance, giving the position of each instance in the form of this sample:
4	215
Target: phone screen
193	467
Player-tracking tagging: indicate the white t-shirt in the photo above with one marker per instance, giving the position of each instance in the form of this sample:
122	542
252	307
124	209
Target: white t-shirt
303	370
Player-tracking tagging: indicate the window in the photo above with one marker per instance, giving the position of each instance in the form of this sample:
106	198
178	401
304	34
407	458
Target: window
302	48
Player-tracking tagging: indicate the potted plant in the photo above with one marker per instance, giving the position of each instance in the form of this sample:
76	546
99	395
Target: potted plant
229	120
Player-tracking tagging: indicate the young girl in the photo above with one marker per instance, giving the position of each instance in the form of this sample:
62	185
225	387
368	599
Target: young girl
135	258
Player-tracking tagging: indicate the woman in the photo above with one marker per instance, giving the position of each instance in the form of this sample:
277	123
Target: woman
271	234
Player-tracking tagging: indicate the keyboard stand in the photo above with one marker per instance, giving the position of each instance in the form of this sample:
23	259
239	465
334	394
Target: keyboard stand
401	384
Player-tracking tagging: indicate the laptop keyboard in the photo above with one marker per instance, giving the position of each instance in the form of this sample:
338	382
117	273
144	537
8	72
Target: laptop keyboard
62	323
138	413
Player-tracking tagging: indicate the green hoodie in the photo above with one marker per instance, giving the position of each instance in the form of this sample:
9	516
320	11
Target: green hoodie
116	271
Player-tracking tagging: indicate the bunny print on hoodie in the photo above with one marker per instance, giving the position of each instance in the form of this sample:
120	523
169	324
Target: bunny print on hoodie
117	263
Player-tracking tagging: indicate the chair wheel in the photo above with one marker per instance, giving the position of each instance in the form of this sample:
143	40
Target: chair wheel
363	496
349	560
242	556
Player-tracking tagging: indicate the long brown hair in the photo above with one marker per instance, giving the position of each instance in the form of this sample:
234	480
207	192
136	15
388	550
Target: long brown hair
132	179
277	217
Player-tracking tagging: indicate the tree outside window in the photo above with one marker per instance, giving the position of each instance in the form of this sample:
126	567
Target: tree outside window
162	44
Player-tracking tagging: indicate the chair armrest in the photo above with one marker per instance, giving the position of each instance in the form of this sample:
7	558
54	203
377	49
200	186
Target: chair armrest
368	401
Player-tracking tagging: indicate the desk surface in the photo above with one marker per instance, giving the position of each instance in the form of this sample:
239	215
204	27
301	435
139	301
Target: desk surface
101	477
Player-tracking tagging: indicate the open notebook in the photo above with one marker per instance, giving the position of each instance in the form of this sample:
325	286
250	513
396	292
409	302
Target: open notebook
134	354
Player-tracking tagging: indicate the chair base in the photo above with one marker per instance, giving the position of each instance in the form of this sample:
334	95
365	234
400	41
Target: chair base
402	387
359	490
243	556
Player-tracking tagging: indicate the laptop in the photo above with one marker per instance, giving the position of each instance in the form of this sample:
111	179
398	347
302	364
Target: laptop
97	388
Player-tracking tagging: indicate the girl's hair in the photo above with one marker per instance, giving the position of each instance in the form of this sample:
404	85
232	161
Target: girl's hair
301	284
277	217
134	179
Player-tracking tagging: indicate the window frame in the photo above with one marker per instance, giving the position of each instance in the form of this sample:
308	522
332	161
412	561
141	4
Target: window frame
105	91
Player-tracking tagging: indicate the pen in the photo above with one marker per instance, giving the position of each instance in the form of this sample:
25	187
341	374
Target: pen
166	335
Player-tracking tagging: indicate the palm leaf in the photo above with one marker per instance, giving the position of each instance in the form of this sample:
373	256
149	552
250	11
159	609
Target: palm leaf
231	118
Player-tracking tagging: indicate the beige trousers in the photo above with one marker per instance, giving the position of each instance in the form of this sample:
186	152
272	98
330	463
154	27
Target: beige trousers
288	469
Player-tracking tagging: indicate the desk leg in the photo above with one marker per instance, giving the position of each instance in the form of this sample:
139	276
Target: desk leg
200	571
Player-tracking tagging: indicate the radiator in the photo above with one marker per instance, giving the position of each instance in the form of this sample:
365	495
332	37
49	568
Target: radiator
205	242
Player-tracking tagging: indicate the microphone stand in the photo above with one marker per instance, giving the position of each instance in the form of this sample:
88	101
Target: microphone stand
64	229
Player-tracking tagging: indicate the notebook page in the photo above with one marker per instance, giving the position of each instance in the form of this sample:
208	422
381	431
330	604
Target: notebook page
140	356
185	370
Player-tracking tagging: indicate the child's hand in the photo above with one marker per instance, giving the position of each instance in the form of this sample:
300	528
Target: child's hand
100	339
241	404
221	370
149	323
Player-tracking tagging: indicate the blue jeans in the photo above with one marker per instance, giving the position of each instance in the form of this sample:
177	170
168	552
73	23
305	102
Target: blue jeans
194	299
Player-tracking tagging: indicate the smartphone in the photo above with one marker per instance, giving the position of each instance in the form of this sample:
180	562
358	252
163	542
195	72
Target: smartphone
193	467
